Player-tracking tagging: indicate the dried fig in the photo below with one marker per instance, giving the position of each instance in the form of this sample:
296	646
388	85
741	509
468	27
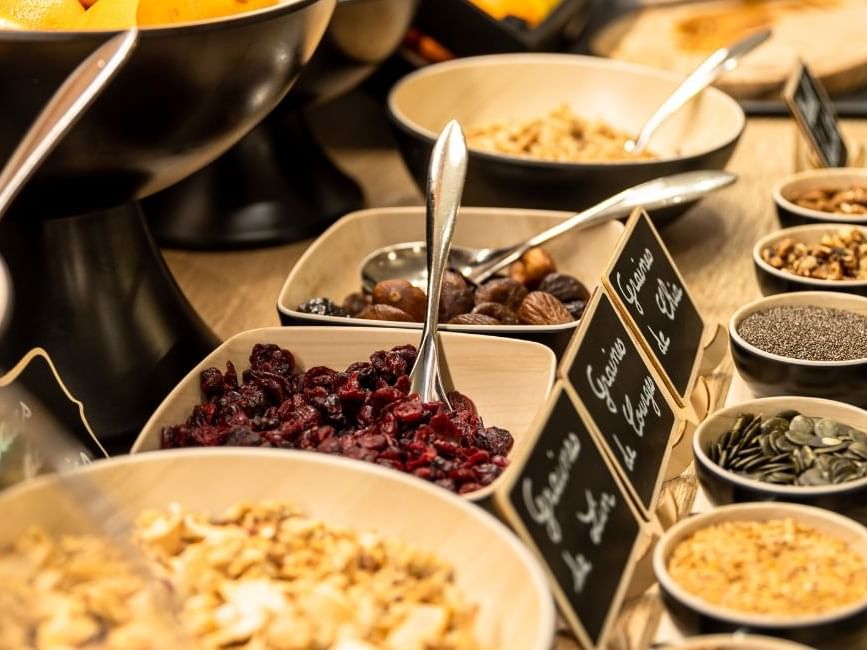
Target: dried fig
403	295
575	307
456	297
505	291
540	308
564	288
355	302
384	312
501	313
473	319
537	264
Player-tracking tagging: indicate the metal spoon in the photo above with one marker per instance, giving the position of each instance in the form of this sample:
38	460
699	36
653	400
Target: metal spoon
62	111
406	260
722	60
445	184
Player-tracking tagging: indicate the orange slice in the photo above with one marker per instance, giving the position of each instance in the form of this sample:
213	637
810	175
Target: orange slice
166	12
41	14
109	14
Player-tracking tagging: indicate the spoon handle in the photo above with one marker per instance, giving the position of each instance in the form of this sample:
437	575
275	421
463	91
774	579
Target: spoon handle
653	194
62	111
448	169
722	60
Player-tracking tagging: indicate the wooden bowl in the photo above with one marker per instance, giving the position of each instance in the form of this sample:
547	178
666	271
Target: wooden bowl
770	375
772	280
346	243
492	568
841	628
481	90
792	214
508	380
723	486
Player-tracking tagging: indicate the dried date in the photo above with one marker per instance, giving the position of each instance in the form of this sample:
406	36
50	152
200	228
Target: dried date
564	288
384	312
403	295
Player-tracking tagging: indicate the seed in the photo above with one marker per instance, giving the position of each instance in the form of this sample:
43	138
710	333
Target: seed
807	332
775	567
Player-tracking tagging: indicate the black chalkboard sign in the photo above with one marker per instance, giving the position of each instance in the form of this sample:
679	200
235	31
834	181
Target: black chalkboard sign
568	504
648	288
32	396
624	400
814	113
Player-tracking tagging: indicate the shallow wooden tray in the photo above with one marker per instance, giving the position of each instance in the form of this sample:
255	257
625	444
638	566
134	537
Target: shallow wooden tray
331	266
492	568
508	380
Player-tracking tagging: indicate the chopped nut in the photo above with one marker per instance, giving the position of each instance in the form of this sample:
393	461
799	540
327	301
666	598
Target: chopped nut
840	255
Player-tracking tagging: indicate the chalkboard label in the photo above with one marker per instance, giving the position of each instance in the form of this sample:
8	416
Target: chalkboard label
625	402
814	113
32	397
648	287
567	503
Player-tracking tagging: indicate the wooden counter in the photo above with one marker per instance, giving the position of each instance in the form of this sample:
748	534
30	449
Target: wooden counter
712	244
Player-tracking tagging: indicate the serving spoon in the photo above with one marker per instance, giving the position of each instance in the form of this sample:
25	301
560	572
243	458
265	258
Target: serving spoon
406	260
722	60
429	376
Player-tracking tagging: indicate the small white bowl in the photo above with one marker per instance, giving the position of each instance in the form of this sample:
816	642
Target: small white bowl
792	214
836	629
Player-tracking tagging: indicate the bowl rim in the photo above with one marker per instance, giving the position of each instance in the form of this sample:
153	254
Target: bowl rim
782	298
750	512
532	565
191	26
736	640
5	295
702	458
791	231
785	183
403	122
344	321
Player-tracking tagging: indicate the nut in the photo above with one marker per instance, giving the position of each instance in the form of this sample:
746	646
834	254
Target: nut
505	291
384	312
564	288
540	308
473	319
403	295
537	264
456	297
504	315
355	302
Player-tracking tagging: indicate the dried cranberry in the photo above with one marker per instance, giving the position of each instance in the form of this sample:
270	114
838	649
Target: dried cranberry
497	441
271	358
211	383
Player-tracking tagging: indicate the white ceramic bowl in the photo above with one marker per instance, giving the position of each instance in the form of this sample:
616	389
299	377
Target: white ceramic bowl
492	567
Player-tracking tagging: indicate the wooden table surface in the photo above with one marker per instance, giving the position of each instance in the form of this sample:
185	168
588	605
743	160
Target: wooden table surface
712	244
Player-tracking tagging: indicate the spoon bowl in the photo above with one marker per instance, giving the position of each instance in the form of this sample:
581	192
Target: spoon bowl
408	260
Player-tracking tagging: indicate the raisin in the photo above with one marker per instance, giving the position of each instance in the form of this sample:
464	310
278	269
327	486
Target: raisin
322	307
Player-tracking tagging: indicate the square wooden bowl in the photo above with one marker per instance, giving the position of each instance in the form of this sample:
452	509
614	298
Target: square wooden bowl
508	380
331	266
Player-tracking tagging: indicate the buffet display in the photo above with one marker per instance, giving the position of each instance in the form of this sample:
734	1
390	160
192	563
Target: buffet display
452	437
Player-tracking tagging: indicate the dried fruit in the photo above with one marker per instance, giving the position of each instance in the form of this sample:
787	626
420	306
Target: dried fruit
364	412
501	313
576	308
473	319
505	291
564	288
540	308
403	295
321	307
355	302
537	264
456	296
384	312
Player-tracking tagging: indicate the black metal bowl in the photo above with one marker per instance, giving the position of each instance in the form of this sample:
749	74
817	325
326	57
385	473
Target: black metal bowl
792	214
770	375
842	629
480	90
188	93
723	486
772	280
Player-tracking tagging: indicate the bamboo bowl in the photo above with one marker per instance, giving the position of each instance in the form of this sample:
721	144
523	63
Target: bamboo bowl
350	240
508	380
492	568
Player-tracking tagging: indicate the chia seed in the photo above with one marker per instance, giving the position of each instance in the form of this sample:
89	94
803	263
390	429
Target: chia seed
807	332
